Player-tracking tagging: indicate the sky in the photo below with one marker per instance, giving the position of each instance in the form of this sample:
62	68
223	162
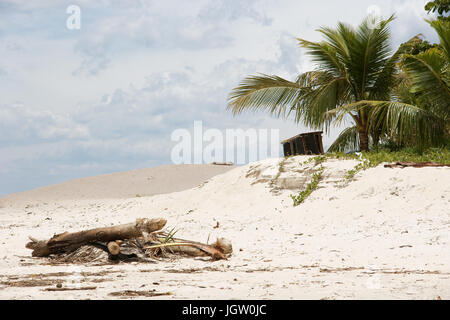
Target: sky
107	96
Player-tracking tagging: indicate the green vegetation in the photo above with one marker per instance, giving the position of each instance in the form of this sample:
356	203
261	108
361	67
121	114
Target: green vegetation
280	167
426	85
374	158
418	46
313	185
365	164
280	170
438	155
442	7
317	160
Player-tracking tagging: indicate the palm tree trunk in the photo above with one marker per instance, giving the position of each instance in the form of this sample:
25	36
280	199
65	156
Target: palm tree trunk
376	138
363	140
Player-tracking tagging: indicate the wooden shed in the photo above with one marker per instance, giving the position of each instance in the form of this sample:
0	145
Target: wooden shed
304	143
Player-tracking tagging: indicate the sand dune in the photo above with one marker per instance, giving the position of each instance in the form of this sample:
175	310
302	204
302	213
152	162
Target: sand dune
141	182
384	235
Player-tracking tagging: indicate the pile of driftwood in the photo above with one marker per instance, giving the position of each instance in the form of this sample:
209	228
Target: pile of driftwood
139	241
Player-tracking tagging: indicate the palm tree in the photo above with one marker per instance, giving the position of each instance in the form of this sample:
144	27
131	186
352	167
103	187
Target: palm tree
354	79
425	85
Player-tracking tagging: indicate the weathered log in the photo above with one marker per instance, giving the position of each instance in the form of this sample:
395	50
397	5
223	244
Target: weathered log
68	242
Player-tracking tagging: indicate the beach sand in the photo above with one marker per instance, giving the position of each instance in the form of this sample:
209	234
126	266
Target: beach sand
384	235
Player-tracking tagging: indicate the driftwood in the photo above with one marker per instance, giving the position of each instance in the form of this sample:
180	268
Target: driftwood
137	241
415	165
218	250
68	242
215	163
113	248
70	289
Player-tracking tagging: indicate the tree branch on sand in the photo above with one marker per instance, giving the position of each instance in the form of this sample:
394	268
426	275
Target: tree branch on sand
144	238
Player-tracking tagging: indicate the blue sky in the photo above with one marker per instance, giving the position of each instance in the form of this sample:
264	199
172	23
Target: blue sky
107	97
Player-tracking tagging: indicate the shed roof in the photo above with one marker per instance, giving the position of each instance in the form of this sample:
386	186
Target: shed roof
301	135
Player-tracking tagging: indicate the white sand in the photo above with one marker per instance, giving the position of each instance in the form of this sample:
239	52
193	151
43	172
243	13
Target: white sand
383	236
129	184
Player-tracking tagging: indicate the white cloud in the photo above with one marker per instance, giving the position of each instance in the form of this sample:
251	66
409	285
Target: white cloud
22	125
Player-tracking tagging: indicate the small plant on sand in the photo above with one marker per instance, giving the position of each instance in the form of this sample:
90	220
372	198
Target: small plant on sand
280	170
320	159
273	181
365	164
313	185
317	160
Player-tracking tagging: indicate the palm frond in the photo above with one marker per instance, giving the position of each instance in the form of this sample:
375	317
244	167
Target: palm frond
335	38
387	79
348	140
429	75
352	109
369	51
407	123
442	27
324	56
271	93
313	105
